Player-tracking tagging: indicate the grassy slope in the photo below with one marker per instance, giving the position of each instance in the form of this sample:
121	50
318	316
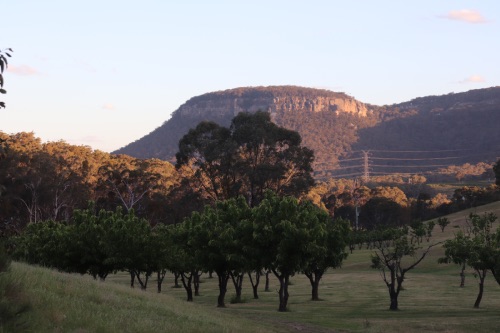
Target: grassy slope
57	302
354	298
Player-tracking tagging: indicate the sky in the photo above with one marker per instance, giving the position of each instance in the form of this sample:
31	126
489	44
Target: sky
104	73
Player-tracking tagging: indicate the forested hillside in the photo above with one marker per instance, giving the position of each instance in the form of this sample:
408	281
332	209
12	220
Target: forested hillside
451	129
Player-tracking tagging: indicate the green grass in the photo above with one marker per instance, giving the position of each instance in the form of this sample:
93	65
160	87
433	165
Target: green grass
57	302
353	299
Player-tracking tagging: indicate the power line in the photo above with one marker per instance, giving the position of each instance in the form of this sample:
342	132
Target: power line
417	151
368	167
416	159
409	166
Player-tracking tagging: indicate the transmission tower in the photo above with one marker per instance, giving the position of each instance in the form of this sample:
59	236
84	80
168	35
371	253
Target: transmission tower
366	166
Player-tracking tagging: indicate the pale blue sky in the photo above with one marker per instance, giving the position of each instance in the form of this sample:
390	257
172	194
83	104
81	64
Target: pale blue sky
105	73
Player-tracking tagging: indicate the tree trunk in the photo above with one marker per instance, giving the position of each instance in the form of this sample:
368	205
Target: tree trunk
186	282
132	279
462	276
393	290
314	278
238	284
143	284
102	276
482	275
160	276
394	303
223	278
256	284
267	281
196	282
176	280
283	292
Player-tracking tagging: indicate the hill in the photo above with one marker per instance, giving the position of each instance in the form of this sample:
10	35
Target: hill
451	129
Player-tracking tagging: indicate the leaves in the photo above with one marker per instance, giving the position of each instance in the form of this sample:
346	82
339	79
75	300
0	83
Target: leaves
251	156
3	65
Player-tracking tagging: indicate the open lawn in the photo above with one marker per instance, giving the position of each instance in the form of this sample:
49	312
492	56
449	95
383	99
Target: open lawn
354	299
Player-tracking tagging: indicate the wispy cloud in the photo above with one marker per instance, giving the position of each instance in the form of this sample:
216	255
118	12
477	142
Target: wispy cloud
473	79
108	106
465	15
22	70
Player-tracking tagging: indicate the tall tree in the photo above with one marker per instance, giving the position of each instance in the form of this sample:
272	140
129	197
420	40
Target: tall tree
270	157
210	150
127	181
251	156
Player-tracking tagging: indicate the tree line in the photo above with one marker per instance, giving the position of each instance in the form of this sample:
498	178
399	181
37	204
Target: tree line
231	239
228	185
280	236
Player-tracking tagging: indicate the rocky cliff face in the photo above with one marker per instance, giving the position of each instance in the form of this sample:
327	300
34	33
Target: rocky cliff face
271	99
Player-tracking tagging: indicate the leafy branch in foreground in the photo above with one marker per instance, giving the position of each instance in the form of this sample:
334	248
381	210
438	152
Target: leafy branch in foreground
3	65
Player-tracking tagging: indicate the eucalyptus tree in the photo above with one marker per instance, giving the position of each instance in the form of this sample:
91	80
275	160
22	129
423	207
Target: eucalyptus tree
251	156
127	180
270	157
210	151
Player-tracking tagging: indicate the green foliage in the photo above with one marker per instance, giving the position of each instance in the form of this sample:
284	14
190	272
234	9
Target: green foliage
3	65
43	244
92	243
252	156
443	222
297	237
394	246
215	238
478	246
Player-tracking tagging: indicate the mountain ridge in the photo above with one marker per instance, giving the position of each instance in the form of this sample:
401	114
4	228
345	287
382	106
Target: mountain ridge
334	124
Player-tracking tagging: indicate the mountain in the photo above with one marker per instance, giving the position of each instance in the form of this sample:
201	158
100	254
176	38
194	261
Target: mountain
348	136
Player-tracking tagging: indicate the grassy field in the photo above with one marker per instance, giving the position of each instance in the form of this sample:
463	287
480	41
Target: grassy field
354	299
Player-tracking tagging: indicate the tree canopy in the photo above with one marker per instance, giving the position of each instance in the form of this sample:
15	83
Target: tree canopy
248	158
